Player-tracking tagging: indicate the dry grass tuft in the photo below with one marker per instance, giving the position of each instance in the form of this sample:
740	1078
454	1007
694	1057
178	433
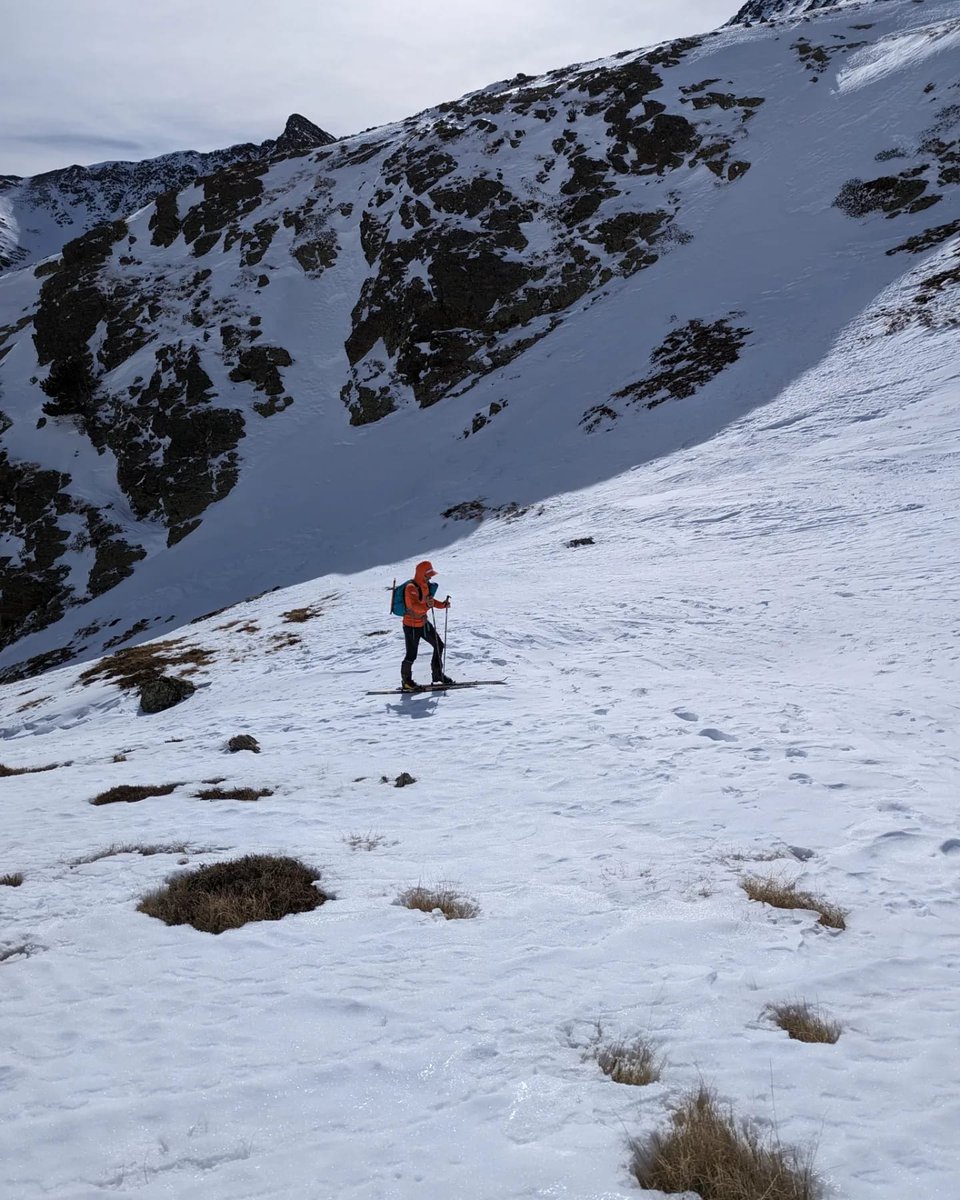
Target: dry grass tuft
297	616
234	793
131	793
443	897
709	1152
134	848
785	895
633	1061
365	841
132	667
13	880
6	772
257	887
804	1023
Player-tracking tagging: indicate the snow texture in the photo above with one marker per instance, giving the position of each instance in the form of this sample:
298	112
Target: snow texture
751	669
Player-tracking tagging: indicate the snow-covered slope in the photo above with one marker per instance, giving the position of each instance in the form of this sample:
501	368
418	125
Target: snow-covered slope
40	213
752	669
325	362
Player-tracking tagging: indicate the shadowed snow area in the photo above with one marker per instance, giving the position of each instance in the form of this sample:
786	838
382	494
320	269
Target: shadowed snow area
317	377
758	651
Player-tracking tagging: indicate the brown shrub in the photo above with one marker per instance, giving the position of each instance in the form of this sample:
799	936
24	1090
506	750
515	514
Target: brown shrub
633	1061
131	668
6	772
13	880
709	1152
131	793
234	793
785	895
804	1023
257	887
444	897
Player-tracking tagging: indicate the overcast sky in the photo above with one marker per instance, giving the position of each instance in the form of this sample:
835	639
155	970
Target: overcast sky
82	81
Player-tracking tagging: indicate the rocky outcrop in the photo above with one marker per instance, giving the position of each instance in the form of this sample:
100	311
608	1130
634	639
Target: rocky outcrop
164	692
76	198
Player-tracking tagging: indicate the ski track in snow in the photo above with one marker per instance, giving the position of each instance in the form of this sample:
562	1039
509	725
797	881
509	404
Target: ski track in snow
758	654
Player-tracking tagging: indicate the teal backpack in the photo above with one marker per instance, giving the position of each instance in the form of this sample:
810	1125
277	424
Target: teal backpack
397	604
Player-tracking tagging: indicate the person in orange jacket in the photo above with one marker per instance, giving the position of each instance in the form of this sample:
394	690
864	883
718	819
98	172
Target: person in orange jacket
418	602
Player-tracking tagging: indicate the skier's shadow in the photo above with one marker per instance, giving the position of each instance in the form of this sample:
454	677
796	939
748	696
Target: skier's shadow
416	707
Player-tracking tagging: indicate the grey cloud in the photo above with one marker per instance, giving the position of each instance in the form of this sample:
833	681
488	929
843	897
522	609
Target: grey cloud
182	75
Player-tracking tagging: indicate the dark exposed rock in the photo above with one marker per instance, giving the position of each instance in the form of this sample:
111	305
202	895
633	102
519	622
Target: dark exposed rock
165	221
259	365
300	134
227	197
243	741
256	242
929	239
817	58
599	416
687	359
72	303
164	691
890	194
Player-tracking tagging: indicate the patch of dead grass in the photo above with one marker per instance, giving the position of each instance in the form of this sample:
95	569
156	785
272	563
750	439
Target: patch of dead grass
297	616
13	880
257	887
247	794
632	1061
708	1151
6	772
131	668
130	793
778	894
803	1022
444	898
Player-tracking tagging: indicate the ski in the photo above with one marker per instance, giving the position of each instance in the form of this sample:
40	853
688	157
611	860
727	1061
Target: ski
428	689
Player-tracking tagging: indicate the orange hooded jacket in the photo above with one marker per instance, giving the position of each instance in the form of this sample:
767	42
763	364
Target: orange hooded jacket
417	598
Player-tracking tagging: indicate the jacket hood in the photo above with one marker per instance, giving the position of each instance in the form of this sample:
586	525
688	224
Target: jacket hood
424	570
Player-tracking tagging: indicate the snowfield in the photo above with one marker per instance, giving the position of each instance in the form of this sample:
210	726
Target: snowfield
752	669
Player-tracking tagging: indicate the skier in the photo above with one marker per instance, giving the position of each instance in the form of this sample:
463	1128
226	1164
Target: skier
418	600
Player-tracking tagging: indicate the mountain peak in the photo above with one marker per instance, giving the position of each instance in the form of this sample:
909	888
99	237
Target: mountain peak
301	134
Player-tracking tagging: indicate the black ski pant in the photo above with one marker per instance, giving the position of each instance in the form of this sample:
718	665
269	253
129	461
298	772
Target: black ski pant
413	634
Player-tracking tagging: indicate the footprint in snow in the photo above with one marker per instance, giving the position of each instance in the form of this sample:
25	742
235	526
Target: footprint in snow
950	846
795	752
799	777
685	714
717	735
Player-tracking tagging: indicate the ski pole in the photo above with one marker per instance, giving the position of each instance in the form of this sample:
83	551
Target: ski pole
446	615
393	592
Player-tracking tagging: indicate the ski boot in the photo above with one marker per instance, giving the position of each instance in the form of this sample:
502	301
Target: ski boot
406	681
444	681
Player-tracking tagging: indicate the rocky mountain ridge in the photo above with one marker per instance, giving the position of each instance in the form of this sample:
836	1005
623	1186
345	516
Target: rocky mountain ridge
39	213
778	10
318	360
